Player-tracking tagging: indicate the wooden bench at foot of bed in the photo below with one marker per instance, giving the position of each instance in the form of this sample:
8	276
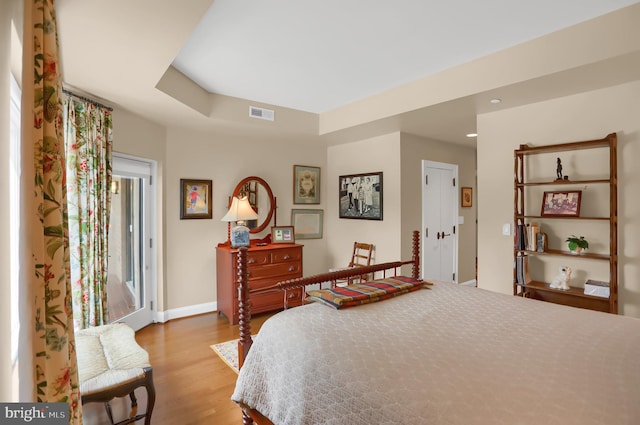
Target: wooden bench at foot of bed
244	300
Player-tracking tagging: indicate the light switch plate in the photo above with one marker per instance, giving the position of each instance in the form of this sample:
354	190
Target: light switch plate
506	229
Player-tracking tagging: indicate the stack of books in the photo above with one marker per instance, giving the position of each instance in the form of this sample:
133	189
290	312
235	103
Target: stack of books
532	236
522	270
526	237
521	237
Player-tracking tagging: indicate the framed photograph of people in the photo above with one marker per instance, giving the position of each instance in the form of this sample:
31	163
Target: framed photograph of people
307	224
561	203
282	234
306	184
195	199
360	196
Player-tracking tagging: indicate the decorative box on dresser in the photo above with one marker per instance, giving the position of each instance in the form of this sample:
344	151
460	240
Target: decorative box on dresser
267	265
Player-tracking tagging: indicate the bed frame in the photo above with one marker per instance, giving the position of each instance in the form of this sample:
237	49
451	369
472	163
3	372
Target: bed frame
244	299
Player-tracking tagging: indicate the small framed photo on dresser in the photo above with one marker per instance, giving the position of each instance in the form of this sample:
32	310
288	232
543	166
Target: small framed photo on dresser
282	234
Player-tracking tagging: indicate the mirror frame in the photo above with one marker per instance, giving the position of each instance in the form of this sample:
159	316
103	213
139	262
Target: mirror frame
272	200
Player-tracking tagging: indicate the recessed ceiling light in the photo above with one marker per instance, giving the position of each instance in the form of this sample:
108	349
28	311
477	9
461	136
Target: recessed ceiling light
472	135
495	100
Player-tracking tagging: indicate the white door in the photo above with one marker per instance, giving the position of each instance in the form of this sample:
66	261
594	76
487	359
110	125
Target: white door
439	219
131	279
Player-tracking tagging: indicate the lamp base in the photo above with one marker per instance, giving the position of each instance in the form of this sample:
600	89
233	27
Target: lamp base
240	236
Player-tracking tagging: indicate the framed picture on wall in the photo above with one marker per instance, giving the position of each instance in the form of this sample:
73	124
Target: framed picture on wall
195	199
306	184
307	224
360	196
467	196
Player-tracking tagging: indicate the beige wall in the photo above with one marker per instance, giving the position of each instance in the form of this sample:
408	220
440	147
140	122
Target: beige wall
133	135
226	159
399	156
414	150
186	263
586	116
380	153
186	258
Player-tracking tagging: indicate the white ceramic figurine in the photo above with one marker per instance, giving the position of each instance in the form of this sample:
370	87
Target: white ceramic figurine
562	280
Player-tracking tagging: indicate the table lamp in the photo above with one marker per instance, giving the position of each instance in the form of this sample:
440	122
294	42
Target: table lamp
240	211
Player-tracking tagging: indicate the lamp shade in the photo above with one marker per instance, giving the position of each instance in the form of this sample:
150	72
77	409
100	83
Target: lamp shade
240	210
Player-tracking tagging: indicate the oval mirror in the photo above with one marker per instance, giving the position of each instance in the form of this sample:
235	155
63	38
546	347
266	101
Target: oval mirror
261	199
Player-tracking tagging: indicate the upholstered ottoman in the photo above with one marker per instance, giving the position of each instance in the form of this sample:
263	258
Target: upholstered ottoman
111	364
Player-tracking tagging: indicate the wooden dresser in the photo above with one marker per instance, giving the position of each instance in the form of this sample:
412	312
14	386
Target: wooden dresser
267	265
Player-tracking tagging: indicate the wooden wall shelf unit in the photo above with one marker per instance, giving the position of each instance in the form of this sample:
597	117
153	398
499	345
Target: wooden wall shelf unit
523	285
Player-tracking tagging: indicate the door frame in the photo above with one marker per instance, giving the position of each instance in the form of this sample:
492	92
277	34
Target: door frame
454	208
128	165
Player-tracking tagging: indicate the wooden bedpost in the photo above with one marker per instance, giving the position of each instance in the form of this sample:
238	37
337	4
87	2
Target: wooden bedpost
244	313
244	304
415	270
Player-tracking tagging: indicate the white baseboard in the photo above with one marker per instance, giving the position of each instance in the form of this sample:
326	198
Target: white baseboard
192	310
471	282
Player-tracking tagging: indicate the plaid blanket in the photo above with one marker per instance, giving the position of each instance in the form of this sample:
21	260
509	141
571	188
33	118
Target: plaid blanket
365	292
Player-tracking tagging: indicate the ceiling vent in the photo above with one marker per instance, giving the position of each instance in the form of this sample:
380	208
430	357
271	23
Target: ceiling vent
261	113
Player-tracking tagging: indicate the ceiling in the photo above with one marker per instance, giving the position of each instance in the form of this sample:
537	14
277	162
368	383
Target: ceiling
320	58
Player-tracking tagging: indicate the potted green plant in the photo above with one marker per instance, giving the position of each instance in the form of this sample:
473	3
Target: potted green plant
577	244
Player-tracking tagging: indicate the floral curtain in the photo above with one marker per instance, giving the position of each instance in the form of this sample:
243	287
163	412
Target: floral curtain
47	321
88	140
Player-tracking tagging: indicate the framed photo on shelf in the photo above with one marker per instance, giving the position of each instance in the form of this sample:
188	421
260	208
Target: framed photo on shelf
360	196
561	203
282	234
466	195
306	184
307	224
195	199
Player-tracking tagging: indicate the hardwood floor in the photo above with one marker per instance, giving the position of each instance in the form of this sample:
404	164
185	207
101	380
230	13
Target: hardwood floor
193	385
119	298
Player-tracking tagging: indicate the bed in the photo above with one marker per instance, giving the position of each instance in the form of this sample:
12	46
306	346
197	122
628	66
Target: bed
443	354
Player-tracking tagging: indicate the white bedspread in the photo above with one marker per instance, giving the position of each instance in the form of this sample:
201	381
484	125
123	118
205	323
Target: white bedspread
449	355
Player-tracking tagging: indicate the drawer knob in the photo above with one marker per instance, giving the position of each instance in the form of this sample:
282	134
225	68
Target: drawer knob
287	257
251	261
292	295
292	268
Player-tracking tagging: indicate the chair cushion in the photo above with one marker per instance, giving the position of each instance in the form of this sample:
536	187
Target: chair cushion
108	356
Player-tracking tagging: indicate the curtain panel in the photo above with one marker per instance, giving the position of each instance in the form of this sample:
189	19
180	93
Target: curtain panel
48	368
88	140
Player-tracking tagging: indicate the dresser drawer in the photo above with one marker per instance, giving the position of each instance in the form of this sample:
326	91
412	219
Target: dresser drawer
266	282
283	255
286	270
257	258
274	300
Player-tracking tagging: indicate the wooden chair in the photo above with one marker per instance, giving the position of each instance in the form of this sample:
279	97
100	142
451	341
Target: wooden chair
360	257
111	364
